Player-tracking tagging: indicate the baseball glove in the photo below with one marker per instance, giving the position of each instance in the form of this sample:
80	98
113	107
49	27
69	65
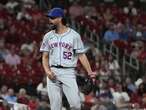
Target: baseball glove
85	84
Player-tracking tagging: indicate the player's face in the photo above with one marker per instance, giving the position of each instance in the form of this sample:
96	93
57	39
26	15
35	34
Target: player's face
54	20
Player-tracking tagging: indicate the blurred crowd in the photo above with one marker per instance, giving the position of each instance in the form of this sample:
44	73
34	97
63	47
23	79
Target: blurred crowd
22	100
112	91
22	25
123	26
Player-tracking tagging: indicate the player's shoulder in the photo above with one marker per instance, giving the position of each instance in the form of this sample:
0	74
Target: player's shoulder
48	34
75	33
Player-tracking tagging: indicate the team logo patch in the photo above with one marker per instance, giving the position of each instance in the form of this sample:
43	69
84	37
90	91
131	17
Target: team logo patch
43	45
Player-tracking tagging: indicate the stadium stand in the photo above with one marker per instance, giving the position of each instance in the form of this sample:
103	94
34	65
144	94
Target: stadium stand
120	64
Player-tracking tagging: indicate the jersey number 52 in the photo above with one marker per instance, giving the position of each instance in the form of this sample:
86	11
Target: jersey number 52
67	55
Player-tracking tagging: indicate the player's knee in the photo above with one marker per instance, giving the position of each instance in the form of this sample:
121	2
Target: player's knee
76	106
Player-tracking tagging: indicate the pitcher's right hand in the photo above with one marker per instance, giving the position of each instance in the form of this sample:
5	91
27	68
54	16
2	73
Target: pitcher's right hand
51	75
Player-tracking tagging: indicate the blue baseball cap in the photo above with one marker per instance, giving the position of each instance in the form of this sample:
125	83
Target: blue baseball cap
56	12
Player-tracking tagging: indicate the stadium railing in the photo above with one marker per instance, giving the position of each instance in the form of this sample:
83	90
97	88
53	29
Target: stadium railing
130	66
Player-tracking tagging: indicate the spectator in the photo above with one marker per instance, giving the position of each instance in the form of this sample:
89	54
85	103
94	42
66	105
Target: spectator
142	87
30	84
22	96
12	58
111	35
76	10
129	27
142	91
103	90
121	98
130	9
42	89
3	50
111	84
44	106
90	11
23	15
37	17
95	52
130	86
142	55
4	105
113	66
11	6
137	48
33	103
3	91
103	73
104	98
123	34
138	33
90	99
138	82
10	97
28	47
136	101
108	16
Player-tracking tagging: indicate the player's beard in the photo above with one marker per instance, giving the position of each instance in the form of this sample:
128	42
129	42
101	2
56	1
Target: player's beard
52	26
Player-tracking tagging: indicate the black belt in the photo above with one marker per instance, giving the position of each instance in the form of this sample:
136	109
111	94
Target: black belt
60	66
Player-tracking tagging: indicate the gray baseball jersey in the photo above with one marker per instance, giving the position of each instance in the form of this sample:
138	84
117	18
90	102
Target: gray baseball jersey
63	48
